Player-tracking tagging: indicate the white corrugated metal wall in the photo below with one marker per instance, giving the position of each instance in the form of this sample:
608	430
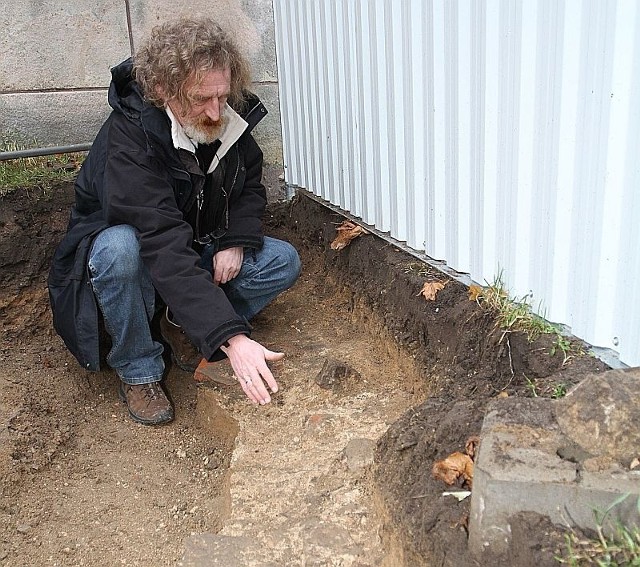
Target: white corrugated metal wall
497	135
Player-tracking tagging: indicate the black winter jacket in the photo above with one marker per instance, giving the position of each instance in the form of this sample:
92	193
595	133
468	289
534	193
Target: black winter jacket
134	175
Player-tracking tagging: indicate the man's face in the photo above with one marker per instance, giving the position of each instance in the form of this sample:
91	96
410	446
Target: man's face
204	121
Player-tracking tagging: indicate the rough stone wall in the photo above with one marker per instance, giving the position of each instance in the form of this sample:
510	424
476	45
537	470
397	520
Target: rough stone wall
57	55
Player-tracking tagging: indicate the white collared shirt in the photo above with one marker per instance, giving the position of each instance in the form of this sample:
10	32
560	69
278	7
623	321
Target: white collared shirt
234	128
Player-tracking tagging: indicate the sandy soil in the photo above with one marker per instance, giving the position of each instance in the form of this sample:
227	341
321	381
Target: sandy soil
292	483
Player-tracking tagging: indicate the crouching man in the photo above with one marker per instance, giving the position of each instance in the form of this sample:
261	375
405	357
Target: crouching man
170	201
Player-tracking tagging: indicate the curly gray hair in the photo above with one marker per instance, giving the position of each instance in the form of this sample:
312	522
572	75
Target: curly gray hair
183	50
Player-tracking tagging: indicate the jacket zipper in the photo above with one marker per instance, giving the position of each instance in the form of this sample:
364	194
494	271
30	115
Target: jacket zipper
200	201
227	196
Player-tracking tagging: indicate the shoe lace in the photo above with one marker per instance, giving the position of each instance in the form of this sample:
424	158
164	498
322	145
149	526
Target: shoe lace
151	391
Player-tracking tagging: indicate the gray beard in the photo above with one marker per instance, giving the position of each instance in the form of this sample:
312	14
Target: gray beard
202	137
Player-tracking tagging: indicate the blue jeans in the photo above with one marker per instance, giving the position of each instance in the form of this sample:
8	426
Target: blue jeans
125	294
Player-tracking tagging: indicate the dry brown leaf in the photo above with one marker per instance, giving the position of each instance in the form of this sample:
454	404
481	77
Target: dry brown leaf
471	446
430	290
347	231
474	292
452	468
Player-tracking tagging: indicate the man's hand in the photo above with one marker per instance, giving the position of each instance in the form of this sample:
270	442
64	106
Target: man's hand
249	362
227	264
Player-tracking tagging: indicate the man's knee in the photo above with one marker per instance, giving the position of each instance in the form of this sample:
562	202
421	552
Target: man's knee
294	263
116	251
289	261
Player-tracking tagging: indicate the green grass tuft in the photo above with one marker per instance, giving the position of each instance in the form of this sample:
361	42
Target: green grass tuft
619	548
517	315
38	172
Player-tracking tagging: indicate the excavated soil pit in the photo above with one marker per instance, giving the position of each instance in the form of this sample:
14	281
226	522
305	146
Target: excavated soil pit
336	471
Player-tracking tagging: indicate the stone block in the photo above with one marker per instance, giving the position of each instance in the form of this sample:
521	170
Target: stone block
53	119
326	543
62	44
527	462
230	14
603	413
359	453
268	133
336	376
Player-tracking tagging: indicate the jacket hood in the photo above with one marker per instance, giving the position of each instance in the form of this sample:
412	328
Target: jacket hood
124	93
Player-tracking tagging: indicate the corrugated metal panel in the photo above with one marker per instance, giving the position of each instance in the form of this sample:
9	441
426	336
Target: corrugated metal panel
498	136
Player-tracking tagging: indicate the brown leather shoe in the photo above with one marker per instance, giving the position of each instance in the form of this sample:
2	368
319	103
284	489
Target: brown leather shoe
147	403
183	351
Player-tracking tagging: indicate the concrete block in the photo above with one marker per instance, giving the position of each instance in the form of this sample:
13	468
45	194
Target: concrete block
59	44
230	14
269	133
263	60
75	117
528	463
53	119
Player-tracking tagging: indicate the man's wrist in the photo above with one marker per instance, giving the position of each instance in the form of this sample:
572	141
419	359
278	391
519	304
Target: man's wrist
236	338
